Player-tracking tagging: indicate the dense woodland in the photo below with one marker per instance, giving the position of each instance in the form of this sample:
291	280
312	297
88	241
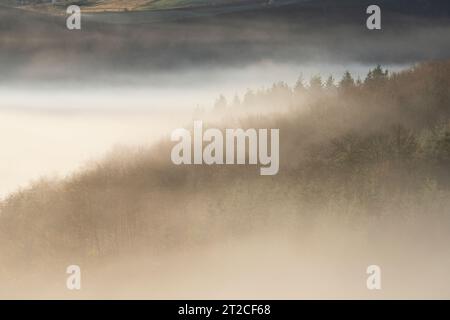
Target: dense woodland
357	149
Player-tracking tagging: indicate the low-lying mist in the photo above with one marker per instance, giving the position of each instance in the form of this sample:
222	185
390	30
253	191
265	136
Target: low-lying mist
36	48
364	179
64	125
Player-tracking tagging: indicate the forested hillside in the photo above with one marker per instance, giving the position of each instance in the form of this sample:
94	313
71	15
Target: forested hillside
376	148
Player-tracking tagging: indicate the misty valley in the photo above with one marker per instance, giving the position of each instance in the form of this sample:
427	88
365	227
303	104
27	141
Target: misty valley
226	150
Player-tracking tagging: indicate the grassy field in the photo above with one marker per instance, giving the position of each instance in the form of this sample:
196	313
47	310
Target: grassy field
93	6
